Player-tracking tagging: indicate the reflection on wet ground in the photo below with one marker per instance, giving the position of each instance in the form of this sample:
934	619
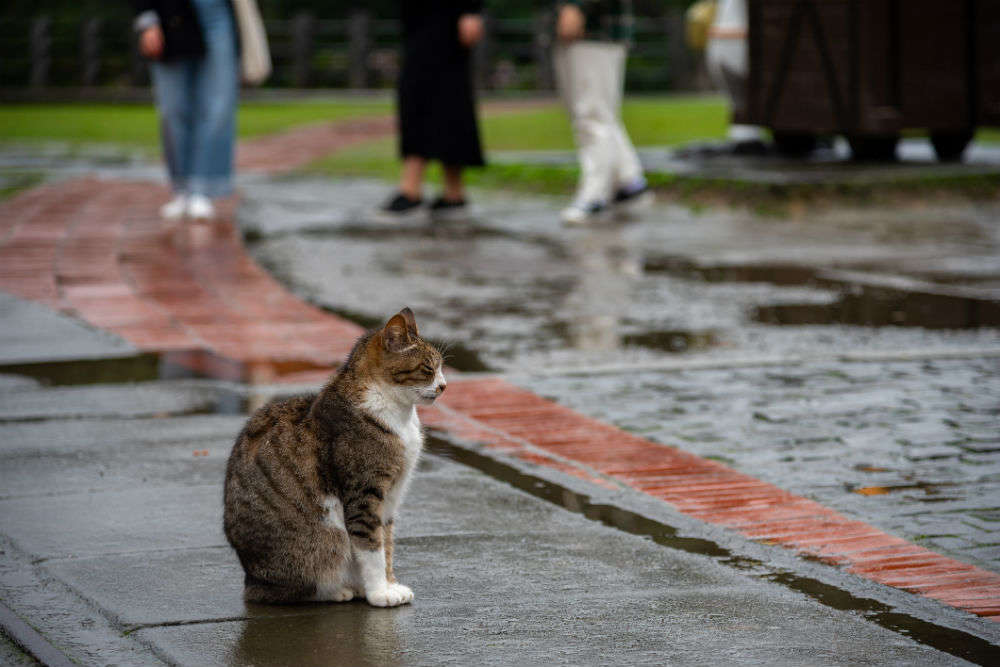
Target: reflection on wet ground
516	291
862	299
148	366
354	634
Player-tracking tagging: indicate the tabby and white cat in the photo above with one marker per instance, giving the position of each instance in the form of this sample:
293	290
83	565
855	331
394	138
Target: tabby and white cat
313	483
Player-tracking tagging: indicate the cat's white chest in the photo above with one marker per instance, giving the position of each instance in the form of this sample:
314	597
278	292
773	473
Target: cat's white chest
403	421
413	442
413	438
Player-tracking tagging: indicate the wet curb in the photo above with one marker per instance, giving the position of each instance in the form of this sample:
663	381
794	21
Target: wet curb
30	641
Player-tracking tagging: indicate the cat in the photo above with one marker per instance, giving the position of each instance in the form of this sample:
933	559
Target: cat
314	483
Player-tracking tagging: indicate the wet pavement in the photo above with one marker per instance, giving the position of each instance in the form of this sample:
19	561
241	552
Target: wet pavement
112	548
668	328
672	328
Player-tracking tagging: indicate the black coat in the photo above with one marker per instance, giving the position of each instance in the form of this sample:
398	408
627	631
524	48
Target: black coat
182	33
437	113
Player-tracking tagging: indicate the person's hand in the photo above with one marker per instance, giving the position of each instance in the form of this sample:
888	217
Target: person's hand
151	42
470	29
570	24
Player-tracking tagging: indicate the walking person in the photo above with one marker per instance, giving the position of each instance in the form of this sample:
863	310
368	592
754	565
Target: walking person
192	46
590	74
436	111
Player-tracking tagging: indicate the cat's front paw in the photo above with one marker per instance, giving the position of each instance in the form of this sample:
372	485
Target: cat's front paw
391	595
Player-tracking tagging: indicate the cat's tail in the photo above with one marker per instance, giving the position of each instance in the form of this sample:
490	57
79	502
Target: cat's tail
264	592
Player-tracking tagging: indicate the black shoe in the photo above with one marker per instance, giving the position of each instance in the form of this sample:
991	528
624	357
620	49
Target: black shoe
633	201
444	209
400	207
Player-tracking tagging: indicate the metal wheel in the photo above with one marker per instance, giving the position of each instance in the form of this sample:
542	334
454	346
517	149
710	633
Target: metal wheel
873	147
950	146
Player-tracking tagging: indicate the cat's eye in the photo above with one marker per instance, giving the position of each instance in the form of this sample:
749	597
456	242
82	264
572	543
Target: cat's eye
426	368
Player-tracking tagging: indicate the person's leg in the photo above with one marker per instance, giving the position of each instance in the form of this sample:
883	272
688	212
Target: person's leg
171	90
454	189
216	91
451	205
627	175
583	70
411	177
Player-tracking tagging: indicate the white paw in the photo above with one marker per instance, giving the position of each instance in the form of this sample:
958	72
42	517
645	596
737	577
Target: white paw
392	595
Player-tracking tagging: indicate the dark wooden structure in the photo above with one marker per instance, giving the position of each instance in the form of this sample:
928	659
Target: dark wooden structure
869	69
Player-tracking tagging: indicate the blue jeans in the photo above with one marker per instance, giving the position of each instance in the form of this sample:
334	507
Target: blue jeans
197	103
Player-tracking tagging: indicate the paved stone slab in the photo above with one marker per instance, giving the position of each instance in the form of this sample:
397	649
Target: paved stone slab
89	524
40	458
168	587
129	400
655	628
29	332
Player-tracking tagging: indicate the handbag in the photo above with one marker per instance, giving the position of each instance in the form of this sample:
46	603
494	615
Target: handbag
255	56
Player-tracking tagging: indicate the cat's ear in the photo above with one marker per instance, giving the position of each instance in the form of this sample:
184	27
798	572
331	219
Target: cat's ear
395	333
411	322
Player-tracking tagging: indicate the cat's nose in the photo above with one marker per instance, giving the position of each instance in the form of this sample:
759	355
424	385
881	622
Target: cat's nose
441	388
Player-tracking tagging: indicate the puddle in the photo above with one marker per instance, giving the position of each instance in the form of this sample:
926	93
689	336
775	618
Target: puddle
115	370
150	366
672	341
869	306
955	642
775	274
859	304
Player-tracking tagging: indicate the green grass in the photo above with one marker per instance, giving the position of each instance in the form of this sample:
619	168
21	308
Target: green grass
378	159
13	182
988	135
136	124
651	121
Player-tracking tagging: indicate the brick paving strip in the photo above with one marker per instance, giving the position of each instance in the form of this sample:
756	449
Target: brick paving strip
96	249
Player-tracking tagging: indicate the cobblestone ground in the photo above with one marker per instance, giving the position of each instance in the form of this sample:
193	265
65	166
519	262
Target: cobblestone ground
581	316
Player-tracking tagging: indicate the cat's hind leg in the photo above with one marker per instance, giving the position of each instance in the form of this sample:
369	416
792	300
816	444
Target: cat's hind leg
336	587
264	592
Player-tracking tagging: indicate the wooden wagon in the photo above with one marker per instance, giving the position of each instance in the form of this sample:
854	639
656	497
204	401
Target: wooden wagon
872	69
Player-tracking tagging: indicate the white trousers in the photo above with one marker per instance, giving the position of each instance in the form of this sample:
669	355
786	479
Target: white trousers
591	77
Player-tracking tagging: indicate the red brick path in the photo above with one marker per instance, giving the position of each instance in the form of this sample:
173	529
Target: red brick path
97	250
300	146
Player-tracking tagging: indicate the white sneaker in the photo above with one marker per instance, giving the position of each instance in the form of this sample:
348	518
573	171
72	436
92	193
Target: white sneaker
200	207
583	213
175	208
